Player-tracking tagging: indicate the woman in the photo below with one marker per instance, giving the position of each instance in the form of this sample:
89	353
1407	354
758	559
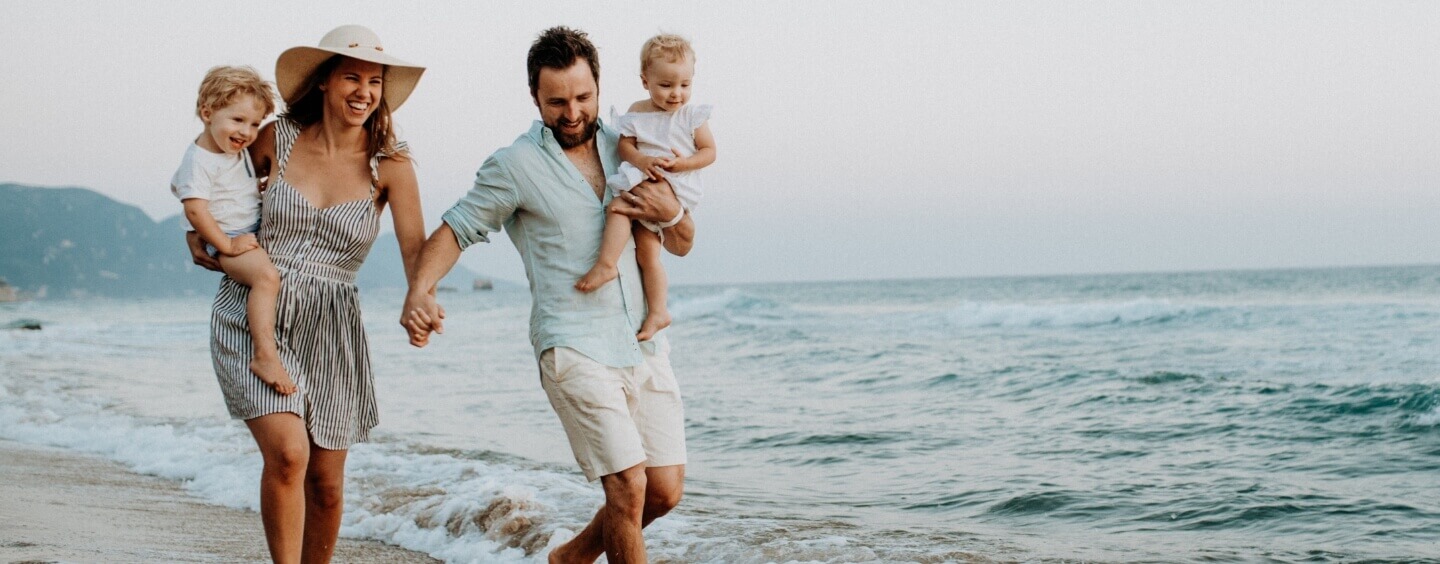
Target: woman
332	164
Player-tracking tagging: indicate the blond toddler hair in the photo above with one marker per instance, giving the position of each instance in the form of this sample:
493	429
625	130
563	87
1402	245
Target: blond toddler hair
223	84
672	48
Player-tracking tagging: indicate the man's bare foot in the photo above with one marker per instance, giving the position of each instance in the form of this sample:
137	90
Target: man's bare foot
597	277
272	372
654	322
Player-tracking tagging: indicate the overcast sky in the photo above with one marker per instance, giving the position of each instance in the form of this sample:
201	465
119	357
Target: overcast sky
857	140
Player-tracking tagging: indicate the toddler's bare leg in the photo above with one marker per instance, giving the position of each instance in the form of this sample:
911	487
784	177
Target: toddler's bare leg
254	270
612	243
652	274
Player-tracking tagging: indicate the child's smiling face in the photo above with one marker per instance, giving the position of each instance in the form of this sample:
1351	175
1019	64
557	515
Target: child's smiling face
669	82
234	127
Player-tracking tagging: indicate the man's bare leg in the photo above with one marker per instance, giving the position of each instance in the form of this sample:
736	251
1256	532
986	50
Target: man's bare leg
664	486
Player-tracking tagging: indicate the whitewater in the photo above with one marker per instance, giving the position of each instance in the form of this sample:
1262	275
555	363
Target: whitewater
1232	416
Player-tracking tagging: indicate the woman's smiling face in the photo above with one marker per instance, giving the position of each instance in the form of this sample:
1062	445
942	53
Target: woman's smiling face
353	90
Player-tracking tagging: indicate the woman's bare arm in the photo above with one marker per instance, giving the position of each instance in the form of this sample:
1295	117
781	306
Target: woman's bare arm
402	193
262	152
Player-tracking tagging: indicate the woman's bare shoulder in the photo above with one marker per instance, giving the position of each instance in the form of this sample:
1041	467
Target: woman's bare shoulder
397	167
262	151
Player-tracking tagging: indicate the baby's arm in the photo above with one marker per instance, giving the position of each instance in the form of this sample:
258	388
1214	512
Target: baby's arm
704	152
198	212
629	151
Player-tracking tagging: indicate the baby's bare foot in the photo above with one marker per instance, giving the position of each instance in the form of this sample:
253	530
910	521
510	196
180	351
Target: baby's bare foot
272	372
597	277
654	322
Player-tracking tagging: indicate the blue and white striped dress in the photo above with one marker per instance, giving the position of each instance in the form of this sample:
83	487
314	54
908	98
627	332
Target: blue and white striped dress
318	329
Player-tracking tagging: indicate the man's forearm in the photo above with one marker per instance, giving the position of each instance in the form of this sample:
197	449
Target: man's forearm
437	257
680	237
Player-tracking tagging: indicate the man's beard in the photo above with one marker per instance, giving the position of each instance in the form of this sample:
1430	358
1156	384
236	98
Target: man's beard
567	141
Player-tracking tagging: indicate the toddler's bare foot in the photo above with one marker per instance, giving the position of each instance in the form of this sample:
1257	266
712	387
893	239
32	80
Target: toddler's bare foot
597	277
654	322
272	372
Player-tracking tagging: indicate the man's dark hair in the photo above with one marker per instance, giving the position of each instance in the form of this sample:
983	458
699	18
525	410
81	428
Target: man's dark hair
557	48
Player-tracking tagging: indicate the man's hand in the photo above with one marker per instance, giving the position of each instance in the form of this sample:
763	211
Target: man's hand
649	201
421	316
656	201
198	254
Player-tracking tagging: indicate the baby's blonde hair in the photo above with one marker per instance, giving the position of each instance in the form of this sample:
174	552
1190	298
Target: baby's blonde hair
223	84
673	48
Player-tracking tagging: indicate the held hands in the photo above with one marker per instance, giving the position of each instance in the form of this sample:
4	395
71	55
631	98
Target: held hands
422	315
240	245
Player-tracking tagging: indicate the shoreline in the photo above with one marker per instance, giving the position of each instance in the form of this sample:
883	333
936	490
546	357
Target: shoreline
62	506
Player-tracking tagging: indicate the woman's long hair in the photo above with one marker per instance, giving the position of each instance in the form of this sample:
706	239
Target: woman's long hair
311	107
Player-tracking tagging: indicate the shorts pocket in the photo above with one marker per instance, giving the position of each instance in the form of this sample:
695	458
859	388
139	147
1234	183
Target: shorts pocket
566	364
661	376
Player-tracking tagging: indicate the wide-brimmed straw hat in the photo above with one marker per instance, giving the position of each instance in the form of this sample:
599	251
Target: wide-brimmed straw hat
295	65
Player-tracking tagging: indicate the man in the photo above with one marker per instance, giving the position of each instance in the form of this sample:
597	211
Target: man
616	397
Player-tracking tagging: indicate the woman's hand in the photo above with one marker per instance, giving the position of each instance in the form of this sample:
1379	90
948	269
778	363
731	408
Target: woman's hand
241	244
198	254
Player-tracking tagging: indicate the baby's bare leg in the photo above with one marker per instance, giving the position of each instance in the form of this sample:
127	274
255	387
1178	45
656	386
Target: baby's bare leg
253	269
612	243
652	274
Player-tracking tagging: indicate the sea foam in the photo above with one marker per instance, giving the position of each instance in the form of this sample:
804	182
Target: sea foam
730	304
971	314
455	506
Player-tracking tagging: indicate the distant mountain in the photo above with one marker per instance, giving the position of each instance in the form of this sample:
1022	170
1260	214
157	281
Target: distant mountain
74	242
70	242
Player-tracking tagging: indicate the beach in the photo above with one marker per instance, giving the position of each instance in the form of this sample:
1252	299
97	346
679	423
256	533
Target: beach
1284	416
66	507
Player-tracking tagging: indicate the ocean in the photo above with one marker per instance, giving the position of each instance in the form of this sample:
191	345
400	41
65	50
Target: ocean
1274	416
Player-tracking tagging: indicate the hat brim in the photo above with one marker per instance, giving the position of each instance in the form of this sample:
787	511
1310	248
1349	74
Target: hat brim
296	64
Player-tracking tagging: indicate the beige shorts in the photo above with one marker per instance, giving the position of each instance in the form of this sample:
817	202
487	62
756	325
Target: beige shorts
616	418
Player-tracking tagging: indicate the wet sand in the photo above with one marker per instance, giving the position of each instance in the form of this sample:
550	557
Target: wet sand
58	506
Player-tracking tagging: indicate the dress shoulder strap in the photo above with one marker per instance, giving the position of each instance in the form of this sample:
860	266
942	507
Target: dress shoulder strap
400	147
286	131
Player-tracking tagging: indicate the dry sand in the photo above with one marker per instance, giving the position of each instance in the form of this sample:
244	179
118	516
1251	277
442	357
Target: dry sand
58	506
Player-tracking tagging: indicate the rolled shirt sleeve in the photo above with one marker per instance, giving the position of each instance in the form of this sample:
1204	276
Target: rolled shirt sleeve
552	215
486	207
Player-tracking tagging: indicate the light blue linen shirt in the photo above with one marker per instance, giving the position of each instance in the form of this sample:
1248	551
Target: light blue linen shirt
536	194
